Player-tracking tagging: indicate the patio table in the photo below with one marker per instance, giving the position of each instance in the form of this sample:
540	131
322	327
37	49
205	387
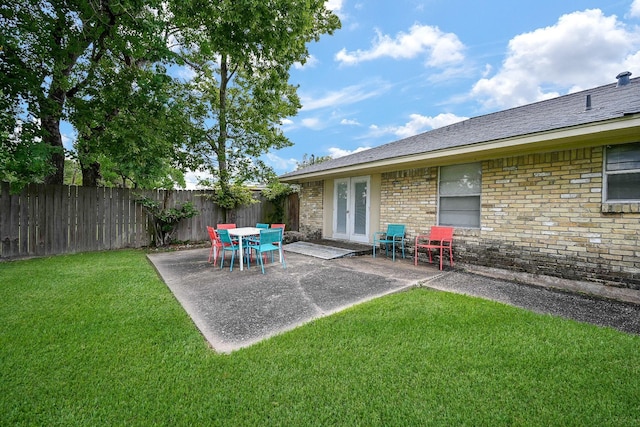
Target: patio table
240	233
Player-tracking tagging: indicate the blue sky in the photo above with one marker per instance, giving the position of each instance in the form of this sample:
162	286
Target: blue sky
403	67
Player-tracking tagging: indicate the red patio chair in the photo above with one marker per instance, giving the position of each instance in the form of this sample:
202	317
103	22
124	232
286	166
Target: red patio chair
440	238
215	244
281	227
225	226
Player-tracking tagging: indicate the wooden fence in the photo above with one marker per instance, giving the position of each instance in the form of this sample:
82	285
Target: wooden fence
56	219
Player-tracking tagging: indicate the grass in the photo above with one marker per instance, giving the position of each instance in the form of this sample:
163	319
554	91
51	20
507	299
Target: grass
98	339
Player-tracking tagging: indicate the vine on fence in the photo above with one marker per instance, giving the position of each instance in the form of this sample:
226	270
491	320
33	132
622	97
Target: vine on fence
165	219
277	193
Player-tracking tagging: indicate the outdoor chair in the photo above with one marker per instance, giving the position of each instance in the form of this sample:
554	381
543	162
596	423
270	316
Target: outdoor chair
268	242
440	238
281	227
226	226
229	245
262	225
393	236
215	245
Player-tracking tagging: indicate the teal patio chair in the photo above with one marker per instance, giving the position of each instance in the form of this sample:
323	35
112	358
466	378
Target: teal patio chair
262	225
269	242
394	235
229	245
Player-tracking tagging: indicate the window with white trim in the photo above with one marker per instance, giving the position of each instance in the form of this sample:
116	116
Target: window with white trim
622	173
459	195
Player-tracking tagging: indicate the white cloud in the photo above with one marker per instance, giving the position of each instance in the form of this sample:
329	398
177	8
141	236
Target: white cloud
441	49
336	152
312	123
349	122
347	95
583	49
634	12
417	124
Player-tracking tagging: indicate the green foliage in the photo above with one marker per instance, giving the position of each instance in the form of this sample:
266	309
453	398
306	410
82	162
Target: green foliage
311	160
277	193
72	172
233	196
165	219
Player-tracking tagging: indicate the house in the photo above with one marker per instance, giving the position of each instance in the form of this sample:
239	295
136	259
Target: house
549	188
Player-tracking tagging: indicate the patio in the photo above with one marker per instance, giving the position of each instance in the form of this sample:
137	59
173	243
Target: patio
234	309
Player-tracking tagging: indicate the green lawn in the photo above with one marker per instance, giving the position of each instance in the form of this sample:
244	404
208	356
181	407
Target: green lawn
98	339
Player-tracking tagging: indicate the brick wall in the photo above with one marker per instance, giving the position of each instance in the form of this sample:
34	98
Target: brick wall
311	196
540	213
409	197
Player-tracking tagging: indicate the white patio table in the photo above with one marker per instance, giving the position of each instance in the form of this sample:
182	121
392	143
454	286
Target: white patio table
240	233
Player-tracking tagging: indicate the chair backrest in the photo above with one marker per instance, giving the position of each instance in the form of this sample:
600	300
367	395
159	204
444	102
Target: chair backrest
212	233
262	225
395	230
225	226
442	234
270	236
280	227
223	233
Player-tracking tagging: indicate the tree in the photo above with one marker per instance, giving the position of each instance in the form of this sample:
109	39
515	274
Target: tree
53	51
102	65
130	133
311	160
241	54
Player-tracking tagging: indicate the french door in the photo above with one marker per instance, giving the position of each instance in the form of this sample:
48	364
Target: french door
351	209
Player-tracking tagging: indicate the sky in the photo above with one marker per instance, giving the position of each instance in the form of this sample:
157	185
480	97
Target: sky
399	68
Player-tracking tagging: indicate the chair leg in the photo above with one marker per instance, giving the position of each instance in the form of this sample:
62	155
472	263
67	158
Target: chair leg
259	256
284	264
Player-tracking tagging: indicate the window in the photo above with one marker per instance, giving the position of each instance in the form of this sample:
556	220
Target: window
622	173
459	195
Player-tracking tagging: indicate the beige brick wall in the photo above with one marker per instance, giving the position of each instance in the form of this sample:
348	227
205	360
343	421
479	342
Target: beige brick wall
545	213
540	213
409	197
311	197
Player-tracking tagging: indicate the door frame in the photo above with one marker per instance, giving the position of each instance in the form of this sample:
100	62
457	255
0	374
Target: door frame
350	217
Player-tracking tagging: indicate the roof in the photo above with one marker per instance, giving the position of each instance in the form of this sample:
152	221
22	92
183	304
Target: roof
608	102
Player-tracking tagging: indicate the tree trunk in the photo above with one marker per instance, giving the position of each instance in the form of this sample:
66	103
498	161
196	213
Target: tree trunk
90	174
52	136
